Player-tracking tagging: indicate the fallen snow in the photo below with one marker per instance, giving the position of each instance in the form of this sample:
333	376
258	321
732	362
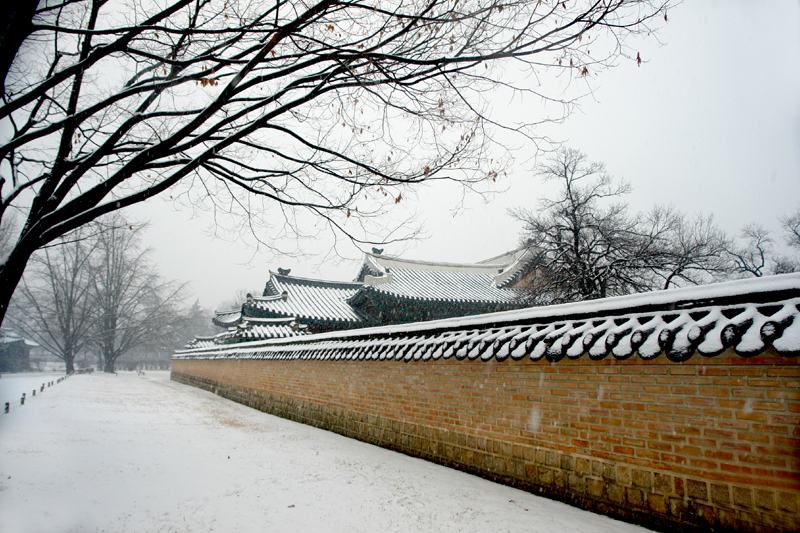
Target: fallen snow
13	385
142	453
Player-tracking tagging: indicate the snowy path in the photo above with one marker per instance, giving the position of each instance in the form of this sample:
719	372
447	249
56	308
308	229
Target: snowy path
134	454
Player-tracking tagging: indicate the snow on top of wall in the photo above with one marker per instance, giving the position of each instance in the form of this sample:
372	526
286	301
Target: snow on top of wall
746	315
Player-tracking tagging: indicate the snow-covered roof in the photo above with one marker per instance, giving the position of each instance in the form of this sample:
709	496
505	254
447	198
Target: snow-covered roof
207	342
251	329
748	316
226	319
9	337
457	288
507	258
443	282
268	328
308	300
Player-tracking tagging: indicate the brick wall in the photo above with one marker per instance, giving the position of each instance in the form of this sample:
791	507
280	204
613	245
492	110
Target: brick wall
710	442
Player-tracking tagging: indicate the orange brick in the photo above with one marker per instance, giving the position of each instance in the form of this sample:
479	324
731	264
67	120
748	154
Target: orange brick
786	371
768	406
764	383
711	371
714	392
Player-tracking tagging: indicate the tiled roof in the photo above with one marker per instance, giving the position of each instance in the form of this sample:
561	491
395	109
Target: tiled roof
306	299
469	288
251	329
442	282
207	342
9	337
748	316
227	319
266	328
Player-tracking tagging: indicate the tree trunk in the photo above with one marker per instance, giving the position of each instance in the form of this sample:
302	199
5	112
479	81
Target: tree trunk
109	355
70	365
15	26
10	275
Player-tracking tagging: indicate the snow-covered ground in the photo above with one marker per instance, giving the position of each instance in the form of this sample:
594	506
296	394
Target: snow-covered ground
142	453
13	385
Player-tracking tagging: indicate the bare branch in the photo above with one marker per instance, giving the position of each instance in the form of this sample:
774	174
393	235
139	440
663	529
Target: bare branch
324	113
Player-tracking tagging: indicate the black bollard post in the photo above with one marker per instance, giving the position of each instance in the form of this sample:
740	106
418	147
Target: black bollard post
42	389
33	392
7	407
22	400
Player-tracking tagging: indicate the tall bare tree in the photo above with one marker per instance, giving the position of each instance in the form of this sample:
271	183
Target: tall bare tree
331	109
53	304
133	304
586	250
590	247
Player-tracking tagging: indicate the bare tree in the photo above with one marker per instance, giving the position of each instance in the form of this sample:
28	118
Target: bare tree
586	250
791	229
757	256
52	305
693	251
590	247
134	305
326	112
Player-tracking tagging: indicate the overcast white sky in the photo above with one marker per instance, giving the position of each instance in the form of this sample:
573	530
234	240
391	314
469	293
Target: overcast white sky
709	123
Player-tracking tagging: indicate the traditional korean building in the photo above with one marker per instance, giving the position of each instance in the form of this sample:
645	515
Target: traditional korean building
319	304
396	291
14	352
386	290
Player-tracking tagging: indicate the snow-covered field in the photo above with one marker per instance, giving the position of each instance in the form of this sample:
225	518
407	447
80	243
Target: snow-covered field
13	385
141	453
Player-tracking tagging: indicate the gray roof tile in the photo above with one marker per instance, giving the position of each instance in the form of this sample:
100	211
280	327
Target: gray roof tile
443	282
306	299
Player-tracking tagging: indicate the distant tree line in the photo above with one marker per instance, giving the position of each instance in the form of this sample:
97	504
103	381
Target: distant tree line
95	290
590	246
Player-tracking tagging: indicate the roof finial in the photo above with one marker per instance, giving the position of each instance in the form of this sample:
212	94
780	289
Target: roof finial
377	251
284	271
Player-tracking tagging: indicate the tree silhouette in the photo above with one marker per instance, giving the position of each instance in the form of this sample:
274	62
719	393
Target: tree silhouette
305	115
588	245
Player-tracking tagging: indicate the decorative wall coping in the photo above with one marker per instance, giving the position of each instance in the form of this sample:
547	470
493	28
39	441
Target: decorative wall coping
748	316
